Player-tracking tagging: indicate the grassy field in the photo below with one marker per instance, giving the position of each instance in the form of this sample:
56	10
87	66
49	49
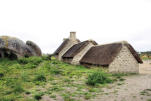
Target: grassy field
39	78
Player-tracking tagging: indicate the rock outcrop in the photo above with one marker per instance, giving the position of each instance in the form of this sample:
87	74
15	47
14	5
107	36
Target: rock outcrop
14	48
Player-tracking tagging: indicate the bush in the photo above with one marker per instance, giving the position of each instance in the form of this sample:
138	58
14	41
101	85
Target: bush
30	66
46	57
98	78
39	96
1	74
40	78
34	60
18	89
55	70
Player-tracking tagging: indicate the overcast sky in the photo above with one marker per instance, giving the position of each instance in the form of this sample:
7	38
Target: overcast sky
47	22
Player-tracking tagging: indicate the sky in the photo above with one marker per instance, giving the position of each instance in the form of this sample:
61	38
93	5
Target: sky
47	22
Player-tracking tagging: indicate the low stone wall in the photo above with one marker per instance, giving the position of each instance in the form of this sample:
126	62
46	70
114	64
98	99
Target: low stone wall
124	62
67	60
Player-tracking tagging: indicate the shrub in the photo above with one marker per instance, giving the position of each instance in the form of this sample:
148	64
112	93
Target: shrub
40	78
34	60
2	72
1	75
38	96
18	89
98	78
46	57
30	66
55	70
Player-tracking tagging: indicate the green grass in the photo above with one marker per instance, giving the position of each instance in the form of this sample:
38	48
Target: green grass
28	79
98	78
146	92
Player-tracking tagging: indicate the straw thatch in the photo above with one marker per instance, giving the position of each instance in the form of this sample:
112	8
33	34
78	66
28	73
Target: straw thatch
75	49
135	54
103	55
61	47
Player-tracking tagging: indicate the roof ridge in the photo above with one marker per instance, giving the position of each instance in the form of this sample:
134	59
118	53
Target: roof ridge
122	42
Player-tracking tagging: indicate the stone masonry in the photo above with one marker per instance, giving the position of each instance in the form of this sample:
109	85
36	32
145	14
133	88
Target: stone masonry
79	56
72	41
124	62
66	48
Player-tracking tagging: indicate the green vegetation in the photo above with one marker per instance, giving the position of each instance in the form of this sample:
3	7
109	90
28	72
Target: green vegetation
98	78
149	100
29	79
145	55
146	92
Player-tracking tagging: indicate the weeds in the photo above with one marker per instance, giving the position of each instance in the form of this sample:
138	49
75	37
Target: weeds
33	60
38	96
36	76
40	78
98	78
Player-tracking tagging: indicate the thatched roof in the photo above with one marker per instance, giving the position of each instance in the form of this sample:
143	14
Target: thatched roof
104	54
75	49
135	54
64	43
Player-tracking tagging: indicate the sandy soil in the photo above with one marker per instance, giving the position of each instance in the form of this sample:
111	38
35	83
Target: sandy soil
145	68
131	88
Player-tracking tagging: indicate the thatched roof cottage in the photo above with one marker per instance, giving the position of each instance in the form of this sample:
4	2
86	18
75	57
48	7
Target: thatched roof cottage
118	57
77	51
66	45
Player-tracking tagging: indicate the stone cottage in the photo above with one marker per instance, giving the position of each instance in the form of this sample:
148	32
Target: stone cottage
117	57
13	48
66	45
77	51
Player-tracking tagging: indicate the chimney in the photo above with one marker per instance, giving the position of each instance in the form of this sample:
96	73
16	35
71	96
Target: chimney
72	35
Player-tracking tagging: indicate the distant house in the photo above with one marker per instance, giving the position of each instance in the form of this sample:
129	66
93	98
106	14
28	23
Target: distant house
117	57
66	45
77	51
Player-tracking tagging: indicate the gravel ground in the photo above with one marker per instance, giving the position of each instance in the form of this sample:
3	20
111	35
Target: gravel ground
134	88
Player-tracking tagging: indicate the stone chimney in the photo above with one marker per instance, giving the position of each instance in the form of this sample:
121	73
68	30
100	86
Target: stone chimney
72	35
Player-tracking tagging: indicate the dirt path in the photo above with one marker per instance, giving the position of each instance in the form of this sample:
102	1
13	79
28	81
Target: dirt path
132	88
145	68
129	90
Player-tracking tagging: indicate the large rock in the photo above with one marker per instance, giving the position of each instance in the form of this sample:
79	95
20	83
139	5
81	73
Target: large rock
12	47
35	48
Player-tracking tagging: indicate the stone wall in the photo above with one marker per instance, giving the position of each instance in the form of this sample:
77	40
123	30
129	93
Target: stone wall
124	62
66	48
79	56
67	60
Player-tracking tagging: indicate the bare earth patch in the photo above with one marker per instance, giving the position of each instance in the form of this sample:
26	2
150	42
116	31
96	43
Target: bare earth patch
134	88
